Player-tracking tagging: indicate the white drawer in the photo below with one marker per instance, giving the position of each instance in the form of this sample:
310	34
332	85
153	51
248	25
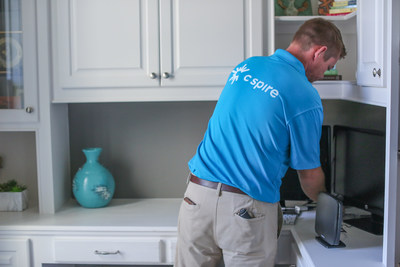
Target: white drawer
107	250
14	252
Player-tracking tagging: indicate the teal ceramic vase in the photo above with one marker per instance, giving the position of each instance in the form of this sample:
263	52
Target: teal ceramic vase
93	185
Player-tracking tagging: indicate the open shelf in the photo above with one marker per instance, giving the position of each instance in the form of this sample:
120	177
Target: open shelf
350	91
304	18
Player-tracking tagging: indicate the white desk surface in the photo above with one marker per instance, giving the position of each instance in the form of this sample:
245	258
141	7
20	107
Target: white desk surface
160	215
362	248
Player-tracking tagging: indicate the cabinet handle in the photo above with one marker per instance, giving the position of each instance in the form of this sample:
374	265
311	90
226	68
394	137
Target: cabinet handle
100	252
166	75
29	109
376	72
153	75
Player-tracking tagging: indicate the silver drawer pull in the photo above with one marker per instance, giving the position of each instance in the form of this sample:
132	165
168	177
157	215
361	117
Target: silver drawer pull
99	252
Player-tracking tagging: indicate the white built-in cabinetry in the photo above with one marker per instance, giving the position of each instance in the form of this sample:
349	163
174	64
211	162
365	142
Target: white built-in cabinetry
166	50
147	50
156	50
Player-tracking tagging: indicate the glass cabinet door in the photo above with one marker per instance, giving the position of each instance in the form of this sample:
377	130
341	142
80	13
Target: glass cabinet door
11	71
18	88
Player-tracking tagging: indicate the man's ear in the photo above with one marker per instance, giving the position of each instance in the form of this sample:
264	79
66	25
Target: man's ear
319	51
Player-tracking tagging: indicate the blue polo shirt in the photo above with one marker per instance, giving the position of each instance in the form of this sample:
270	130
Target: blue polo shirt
268	117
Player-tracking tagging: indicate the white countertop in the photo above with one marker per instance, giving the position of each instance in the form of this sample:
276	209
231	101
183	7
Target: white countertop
120	215
160	216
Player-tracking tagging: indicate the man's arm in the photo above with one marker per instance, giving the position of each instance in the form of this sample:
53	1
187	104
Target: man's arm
312	182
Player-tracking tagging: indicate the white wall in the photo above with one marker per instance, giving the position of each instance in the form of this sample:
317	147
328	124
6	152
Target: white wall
146	146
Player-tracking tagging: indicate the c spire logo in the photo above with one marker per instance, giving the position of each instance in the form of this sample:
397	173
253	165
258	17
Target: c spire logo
256	82
235	75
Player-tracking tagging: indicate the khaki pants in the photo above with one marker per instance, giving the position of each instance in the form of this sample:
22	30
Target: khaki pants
210	230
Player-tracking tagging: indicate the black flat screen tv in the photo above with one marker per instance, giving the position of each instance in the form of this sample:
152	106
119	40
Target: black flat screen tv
359	174
291	189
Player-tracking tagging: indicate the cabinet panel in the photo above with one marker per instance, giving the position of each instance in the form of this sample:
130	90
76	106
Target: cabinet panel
105	43
107	250
370	24
203	46
14	252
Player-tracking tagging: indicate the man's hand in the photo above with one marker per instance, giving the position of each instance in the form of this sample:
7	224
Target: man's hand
312	182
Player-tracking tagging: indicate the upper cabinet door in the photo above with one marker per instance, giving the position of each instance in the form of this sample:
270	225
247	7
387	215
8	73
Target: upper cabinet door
18	75
370	29
104	44
202	41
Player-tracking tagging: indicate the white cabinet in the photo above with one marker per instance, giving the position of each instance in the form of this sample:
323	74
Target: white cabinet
371	30
137	50
14	252
127	232
133	50
18	63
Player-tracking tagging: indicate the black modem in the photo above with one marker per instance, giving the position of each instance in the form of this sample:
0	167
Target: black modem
328	220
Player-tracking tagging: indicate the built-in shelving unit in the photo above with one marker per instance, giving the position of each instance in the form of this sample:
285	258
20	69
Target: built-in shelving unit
49	132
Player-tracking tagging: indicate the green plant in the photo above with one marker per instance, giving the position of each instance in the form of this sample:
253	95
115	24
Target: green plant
12	186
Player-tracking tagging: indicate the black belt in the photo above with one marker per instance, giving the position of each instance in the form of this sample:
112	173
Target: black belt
214	185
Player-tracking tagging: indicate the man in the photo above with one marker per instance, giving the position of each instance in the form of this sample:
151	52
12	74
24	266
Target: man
268	117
